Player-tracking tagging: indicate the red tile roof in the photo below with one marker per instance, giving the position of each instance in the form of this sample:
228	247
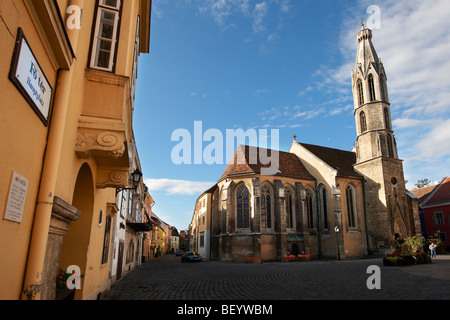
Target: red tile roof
289	164
442	194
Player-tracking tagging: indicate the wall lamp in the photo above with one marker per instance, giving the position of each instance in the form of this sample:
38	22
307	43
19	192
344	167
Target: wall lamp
135	178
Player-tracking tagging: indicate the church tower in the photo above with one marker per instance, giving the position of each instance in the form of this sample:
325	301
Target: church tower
376	150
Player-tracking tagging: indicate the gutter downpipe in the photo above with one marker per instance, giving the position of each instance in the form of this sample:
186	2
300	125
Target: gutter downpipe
47	188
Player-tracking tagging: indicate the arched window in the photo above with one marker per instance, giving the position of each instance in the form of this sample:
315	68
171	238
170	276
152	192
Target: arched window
359	87
309	210
324	206
387	119
390	145
363	121
383	88
243	207
350	199
266	209
372	88
289	211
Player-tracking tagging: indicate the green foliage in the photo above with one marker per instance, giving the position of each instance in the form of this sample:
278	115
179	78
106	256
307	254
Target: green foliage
415	243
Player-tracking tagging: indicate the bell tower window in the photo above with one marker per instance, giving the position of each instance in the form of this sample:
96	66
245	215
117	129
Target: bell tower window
363	121
372	88
359	87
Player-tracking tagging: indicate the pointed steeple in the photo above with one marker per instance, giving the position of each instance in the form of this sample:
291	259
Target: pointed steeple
366	55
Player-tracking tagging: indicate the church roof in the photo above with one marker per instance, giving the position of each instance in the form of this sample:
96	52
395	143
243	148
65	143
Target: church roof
340	160
289	164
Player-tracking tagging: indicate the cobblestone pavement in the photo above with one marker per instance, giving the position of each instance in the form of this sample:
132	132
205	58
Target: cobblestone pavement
167	278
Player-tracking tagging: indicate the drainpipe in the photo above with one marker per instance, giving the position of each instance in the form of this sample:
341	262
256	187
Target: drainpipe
39	236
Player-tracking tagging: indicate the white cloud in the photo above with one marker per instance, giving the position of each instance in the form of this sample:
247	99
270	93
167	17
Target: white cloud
178	187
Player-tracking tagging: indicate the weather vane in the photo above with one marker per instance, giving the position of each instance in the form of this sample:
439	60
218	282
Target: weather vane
362	22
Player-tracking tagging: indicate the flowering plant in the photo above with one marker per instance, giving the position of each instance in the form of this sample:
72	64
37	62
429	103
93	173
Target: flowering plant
61	279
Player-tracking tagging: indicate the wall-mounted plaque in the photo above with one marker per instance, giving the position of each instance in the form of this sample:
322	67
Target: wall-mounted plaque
16	198
30	80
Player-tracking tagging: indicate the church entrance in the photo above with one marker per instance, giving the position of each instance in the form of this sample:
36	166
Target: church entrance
400	229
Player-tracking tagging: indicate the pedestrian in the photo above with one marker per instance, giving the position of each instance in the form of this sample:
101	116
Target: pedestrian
433	250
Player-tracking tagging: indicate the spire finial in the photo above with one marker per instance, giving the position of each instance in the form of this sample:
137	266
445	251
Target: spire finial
362	24
295	137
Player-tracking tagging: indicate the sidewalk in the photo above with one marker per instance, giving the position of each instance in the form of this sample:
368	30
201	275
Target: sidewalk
438	269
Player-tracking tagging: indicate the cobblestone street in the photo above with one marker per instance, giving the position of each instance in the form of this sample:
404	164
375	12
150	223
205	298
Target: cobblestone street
168	279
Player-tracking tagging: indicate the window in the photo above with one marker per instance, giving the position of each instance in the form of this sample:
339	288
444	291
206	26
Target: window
350	199
438	218
309	210
266	214
130	203
106	240
390	145
100	218
104	40
289	211
243	207
202	240
130	253
387	120
124	204
442	236
371	88
360	92
135	60
382	88
324	206
363	122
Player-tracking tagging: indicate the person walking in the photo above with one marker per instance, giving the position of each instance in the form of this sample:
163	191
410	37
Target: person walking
433	250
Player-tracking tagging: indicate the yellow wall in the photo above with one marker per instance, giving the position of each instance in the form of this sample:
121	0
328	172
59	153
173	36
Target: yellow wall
23	139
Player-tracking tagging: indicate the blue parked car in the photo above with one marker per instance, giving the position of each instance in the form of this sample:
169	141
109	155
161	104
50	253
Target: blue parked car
191	256
180	253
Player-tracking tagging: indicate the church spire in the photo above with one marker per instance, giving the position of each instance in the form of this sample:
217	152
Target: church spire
372	109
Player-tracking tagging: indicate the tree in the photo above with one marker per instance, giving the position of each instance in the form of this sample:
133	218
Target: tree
422	183
415	242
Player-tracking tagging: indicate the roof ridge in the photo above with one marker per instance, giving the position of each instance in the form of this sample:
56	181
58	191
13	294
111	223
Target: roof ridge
433	192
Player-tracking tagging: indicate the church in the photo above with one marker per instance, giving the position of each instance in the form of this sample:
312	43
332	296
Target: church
324	202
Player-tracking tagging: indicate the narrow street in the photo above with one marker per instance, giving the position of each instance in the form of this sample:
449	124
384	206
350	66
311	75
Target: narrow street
167	278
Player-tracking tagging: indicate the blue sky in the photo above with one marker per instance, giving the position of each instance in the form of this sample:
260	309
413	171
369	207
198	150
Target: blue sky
285	65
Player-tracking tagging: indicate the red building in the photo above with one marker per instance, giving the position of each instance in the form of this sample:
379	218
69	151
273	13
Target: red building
434	204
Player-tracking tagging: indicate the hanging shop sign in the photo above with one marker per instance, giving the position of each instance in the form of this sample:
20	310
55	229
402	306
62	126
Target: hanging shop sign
30	80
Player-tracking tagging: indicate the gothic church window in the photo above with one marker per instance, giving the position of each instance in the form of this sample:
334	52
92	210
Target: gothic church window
363	121
350	199
387	119
372	88
243	207
324	206
289	211
266	214
382	88
390	145
360	92
309	210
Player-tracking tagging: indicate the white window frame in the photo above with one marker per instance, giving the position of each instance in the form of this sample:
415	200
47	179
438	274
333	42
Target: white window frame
101	8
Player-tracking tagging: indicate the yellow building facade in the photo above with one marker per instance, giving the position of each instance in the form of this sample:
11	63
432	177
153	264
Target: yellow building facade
67	108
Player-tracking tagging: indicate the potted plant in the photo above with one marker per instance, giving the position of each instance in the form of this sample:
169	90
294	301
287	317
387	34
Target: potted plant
62	291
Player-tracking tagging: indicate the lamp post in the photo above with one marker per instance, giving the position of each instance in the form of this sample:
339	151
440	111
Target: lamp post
336	230
135	179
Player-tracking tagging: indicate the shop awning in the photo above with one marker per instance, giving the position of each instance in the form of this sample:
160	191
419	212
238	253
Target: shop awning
140	227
